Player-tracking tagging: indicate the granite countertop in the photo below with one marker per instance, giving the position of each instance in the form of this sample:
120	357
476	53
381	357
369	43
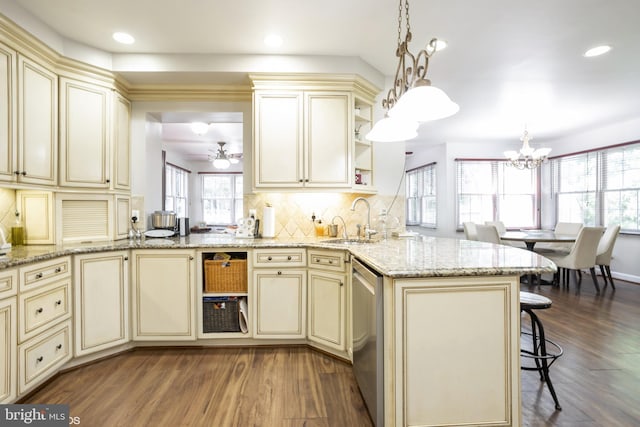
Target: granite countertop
399	257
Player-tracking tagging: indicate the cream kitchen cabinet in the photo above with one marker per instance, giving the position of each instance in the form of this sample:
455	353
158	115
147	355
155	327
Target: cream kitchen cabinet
312	130
327	299
121	152
279	293
101	301
163	294
8	335
434	330
28	119
85	117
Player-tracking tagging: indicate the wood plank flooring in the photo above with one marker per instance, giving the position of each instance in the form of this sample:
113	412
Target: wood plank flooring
597	379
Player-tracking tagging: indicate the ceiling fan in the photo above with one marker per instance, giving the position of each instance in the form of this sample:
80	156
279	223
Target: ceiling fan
221	159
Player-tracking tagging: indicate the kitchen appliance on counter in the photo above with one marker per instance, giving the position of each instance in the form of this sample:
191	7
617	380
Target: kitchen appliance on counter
368	366
183	226
165	222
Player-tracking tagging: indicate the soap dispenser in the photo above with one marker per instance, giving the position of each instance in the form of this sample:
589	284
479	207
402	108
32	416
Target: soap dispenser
17	232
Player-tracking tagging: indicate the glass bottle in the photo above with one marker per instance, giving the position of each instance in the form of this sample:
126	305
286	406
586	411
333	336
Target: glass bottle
17	232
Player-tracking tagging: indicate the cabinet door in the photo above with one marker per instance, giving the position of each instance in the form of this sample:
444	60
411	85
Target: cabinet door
37	123
327	309
101	284
36	211
279	309
84	134
8	108
121	143
163	295
328	139
278	150
8	350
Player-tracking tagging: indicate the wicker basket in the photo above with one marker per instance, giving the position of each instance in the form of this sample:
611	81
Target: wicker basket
225	275
220	314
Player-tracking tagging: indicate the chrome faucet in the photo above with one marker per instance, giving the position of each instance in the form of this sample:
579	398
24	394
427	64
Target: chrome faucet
368	231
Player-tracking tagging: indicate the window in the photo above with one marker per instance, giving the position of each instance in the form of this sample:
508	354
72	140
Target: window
599	187
421	196
490	190
222	198
176	197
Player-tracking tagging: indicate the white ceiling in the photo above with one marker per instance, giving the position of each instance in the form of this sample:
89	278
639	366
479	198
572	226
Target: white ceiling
509	62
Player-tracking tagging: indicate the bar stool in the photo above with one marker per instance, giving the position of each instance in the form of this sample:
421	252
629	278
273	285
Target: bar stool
538	352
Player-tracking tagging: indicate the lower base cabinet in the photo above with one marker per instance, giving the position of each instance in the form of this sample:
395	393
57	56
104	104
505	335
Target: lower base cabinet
280	303
163	294
42	355
327	309
8	340
101	301
456	351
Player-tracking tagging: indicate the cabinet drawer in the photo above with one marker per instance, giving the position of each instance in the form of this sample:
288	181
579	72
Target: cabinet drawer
279	258
8	283
327	260
42	355
43	273
41	309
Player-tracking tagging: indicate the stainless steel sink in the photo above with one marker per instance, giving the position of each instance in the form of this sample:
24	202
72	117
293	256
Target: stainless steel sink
350	241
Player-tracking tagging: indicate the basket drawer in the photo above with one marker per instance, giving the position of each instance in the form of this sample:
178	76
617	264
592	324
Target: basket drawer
220	314
225	275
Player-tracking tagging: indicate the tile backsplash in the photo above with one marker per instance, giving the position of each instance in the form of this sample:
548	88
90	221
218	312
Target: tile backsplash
7	210
293	211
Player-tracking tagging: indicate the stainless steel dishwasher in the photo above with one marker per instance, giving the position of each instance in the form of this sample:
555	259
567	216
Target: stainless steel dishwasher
367	342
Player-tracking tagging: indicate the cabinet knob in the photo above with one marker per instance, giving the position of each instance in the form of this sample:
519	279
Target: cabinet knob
39	276
59	302
126	258
16	172
279	273
317	260
39	310
40	359
59	347
301	180
289	258
190	258
58	270
269	258
330	261
108	181
341	284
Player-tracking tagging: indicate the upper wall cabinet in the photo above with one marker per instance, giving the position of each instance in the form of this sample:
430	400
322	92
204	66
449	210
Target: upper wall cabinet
28	120
304	131
302	139
121	143
85	111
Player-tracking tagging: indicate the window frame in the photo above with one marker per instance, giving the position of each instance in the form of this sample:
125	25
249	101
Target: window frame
496	193
236	196
168	188
424	198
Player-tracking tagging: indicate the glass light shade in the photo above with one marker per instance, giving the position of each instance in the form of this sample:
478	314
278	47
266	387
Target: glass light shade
199	128
221	163
423	104
512	155
234	161
393	129
541	152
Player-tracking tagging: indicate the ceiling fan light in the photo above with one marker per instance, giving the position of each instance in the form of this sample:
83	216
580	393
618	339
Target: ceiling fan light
221	163
393	129
424	103
234	161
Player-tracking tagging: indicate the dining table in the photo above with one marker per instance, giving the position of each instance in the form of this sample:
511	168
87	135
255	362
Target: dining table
531	237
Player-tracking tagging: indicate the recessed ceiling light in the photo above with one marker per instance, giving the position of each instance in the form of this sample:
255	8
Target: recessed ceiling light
273	40
597	51
123	38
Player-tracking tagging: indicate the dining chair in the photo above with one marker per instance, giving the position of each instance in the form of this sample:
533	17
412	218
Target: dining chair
569	228
605	250
501	230
582	255
487	233
470	230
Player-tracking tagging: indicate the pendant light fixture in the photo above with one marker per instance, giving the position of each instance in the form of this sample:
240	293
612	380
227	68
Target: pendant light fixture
412	99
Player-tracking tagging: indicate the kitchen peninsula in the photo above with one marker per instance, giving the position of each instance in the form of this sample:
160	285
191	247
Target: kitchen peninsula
450	318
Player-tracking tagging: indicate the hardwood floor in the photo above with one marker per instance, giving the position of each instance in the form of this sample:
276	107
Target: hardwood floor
597	379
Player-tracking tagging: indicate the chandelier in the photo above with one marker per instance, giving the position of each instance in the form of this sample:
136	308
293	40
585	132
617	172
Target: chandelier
527	157
412	99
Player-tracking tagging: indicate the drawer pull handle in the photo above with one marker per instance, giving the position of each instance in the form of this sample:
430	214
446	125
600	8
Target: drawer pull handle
269	258
59	302
39	276
330	261
58	270
317	260
39	359
38	311
289	258
341	284
59	347
279	273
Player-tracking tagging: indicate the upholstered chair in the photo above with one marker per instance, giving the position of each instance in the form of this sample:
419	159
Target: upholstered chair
605	250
